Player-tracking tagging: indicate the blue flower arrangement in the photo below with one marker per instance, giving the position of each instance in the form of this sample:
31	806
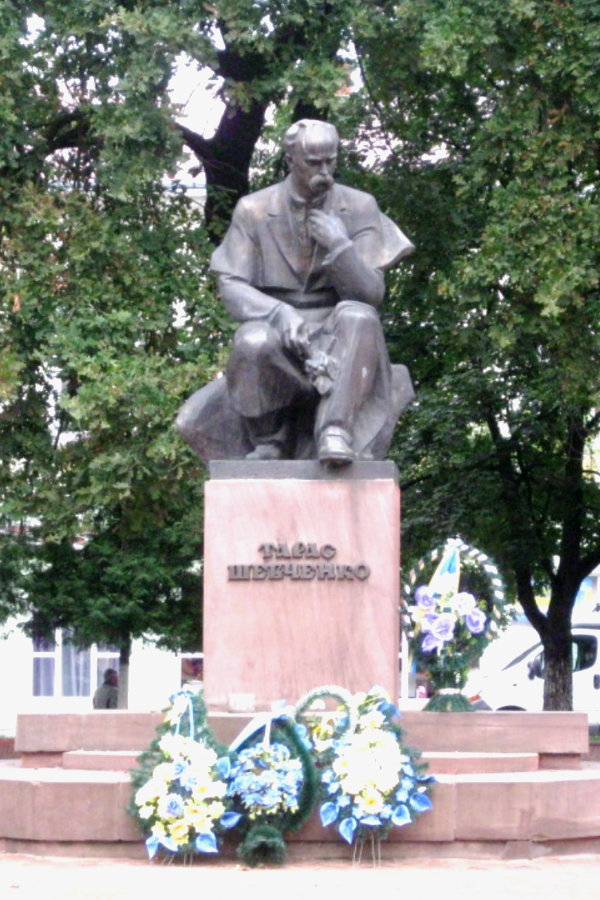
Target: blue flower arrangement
449	622
266	780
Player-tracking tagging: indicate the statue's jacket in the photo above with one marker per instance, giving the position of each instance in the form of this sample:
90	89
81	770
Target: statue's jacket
261	247
265	262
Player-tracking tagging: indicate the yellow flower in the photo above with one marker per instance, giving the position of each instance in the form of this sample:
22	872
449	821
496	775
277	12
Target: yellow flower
216	809
163	772
201	791
197	816
175	745
218	789
372	719
179	831
370	801
200	755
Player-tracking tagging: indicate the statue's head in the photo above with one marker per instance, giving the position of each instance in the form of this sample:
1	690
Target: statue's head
311	148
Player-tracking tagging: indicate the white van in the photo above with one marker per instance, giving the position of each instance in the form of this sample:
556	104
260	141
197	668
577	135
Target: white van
519	685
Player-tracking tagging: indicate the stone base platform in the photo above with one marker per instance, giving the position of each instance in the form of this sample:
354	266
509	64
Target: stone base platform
510	785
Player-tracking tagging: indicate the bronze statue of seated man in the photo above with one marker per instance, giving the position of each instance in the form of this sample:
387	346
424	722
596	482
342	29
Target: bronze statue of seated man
301	268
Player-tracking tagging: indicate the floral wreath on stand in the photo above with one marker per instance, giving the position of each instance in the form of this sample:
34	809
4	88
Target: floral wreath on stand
190	790
448	629
180	790
272	786
369	781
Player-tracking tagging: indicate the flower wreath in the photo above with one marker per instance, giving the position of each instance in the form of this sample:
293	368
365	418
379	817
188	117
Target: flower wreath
272	787
180	797
190	789
447	632
369	781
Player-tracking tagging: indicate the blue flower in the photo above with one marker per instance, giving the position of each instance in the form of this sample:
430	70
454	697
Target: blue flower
328	813
420	803
174	807
401	815
430	644
188	779
475	621
346	828
206	843
223	766
388	710
424	597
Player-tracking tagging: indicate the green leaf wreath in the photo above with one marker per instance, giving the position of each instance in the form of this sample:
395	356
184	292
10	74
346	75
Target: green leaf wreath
273	788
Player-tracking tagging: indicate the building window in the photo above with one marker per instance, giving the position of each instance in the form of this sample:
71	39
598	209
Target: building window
63	669
44	652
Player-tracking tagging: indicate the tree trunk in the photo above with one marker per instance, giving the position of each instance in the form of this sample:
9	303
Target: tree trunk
556	638
558	676
124	654
226	159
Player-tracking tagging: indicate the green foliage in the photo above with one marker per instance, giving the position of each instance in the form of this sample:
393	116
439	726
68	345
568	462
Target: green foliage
262	846
491	123
108	321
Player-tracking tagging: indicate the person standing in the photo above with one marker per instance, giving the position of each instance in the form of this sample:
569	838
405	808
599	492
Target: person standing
107	695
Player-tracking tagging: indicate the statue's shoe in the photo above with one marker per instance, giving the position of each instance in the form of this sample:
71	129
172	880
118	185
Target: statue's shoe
335	448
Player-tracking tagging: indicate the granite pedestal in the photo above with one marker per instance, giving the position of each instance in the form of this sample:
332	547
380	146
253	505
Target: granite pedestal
301	580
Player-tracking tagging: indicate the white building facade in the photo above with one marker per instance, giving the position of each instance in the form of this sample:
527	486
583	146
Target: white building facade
45	676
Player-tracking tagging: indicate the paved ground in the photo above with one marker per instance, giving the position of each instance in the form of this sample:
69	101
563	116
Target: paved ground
25	877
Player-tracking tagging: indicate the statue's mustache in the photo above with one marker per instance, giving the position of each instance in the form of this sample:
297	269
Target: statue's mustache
320	183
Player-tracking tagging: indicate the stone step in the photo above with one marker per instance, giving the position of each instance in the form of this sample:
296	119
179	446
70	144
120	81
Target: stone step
101	760
118	729
457	762
75	806
55	804
80	801
547	733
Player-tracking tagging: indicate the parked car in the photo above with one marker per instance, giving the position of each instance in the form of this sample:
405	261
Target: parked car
519	685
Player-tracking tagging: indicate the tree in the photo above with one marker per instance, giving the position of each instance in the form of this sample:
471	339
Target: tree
491	125
108	317
288	53
107	324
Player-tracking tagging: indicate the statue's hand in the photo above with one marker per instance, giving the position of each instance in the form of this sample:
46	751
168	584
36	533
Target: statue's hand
327	229
292	330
